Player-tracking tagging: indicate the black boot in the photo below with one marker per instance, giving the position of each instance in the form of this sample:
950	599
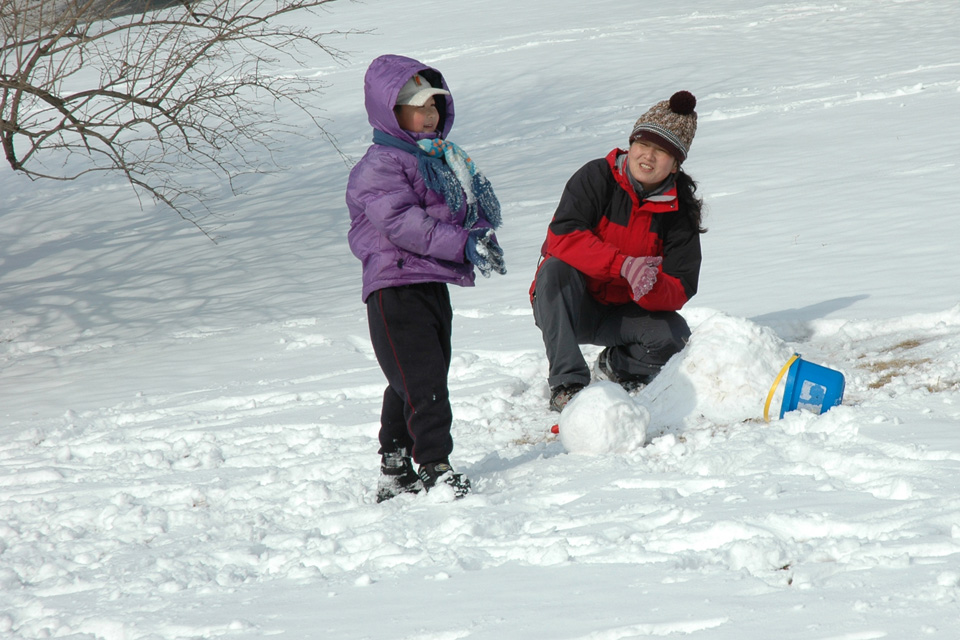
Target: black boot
561	395
397	476
605	372
433	473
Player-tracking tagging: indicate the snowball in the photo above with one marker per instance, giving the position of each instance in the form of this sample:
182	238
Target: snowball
603	418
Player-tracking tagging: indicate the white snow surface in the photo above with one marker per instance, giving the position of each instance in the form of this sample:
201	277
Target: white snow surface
188	429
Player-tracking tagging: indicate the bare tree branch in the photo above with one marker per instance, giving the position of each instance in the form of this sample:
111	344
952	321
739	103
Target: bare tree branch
155	90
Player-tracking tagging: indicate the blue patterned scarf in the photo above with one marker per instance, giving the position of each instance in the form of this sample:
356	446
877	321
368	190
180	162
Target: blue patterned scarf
449	171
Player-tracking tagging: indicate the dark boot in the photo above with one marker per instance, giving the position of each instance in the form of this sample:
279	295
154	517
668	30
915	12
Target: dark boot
433	473
561	395
397	476
605	372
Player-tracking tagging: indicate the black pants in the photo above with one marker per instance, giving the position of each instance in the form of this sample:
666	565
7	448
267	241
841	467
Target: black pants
410	328
641	341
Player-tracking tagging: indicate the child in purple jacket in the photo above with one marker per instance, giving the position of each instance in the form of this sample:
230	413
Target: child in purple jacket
421	217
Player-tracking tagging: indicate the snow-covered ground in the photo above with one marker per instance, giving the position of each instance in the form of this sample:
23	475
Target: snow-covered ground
188	429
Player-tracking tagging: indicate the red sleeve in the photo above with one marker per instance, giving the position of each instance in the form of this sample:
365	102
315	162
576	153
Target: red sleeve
679	274
570	236
667	295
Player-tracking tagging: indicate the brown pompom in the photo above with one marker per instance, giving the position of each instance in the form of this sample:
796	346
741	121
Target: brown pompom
683	102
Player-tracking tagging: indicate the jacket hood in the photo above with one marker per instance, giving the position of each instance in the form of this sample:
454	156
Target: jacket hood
381	85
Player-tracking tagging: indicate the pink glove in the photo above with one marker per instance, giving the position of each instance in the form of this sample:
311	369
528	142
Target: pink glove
641	273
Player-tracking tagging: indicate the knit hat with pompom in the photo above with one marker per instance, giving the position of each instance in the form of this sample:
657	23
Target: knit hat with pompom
670	124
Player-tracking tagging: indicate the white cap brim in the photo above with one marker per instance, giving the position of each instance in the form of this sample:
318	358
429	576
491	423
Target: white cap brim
420	97
417	91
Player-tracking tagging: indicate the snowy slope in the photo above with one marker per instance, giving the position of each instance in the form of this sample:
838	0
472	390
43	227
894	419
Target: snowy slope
188	429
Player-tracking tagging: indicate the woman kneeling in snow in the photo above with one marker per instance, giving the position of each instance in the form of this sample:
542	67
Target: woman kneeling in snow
622	256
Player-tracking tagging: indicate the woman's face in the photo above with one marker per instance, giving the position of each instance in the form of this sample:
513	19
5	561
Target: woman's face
419	119
649	164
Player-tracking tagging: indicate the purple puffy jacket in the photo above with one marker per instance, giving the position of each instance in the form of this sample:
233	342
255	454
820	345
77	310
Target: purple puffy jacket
402	232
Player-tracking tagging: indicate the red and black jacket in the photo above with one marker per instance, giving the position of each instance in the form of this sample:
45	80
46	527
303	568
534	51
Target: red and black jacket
600	222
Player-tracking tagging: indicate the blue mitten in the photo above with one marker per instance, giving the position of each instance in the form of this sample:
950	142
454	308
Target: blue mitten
484	252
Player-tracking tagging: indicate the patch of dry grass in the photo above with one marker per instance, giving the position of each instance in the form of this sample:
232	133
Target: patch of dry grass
888	370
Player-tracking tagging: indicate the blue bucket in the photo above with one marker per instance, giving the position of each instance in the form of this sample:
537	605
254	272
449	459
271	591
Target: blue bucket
811	387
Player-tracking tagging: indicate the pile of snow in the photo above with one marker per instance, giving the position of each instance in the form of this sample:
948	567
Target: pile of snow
723	376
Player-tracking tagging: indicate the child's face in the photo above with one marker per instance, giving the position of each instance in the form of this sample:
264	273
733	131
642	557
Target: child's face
650	164
418	119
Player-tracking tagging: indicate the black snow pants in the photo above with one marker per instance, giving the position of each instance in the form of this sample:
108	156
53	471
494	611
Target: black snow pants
641	341
410	328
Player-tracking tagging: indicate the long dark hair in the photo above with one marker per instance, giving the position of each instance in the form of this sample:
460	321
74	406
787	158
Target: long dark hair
689	202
